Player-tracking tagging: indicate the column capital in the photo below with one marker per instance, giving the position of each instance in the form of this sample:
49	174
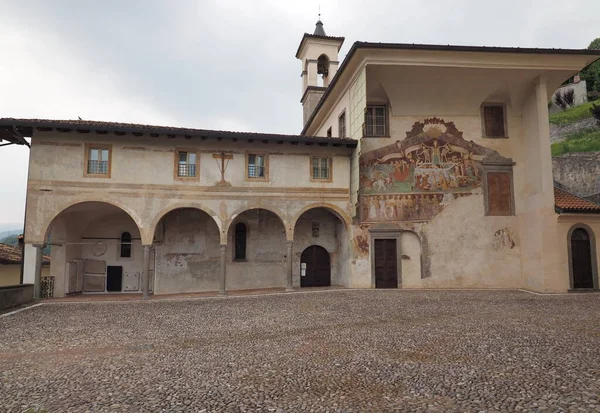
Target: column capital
290	243
223	247
39	245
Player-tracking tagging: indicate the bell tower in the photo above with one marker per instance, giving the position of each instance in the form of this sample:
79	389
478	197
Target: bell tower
318	54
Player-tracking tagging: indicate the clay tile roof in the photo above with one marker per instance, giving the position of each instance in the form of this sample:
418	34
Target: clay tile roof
567	202
26	126
11	254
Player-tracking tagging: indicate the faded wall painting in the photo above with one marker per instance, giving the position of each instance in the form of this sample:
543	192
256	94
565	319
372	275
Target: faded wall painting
413	179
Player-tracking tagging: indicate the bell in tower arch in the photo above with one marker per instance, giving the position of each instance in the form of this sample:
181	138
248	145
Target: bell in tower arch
323	65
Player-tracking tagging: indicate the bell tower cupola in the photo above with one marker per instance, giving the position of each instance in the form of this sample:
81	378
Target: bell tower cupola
318	54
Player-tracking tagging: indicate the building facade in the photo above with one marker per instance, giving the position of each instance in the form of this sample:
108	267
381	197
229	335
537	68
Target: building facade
418	166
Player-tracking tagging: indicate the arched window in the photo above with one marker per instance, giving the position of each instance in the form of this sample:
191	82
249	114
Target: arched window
125	245
240	241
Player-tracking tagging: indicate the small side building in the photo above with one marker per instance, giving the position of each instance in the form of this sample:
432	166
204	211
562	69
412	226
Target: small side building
11	257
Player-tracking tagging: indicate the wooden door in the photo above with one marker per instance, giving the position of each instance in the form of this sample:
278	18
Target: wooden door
581	256
317	271
386	264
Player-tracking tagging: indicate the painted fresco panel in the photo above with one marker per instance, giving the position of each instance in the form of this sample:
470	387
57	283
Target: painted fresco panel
413	179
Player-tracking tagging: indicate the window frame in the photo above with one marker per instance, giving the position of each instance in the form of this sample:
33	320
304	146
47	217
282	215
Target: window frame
176	164
484	134
386	122
121	256
499	165
342	122
329	165
266	166
99	146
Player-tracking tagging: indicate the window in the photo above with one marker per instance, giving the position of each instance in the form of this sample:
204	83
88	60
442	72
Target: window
493	116
329	132
186	166
257	166
97	160
499	194
342	125
375	121
240	241
321	168
126	245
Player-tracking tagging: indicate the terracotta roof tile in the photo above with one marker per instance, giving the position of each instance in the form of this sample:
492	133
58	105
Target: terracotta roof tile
25	126
11	254
567	202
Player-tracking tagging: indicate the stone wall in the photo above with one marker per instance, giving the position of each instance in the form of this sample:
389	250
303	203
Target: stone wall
578	173
15	295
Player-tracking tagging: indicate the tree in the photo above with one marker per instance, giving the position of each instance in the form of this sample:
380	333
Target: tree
591	74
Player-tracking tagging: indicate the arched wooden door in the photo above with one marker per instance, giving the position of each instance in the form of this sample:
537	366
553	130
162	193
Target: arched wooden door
581	256
315	267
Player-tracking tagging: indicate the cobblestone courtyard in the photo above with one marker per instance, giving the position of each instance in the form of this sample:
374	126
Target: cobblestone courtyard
346	351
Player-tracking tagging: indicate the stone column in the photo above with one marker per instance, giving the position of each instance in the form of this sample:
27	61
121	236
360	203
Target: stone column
288	286
146	272
223	270
37	281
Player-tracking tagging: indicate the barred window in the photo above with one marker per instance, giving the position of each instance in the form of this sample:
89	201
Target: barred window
98	159
256	166
321	168
186	166
375	121
493	121
126	245
342	125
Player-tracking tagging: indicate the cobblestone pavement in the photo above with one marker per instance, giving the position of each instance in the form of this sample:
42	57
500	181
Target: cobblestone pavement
337	351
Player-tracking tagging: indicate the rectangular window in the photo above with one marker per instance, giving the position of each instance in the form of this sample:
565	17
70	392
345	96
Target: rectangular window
186	166
257	166
97	158
375	121
493	121
321	168
342	125
499	194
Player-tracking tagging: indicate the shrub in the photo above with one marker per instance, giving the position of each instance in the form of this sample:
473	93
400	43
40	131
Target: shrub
559	100
569	97
595	111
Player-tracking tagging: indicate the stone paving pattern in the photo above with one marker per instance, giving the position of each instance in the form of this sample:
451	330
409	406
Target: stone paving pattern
336	351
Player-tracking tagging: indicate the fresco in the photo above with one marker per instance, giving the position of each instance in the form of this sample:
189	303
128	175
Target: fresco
413	179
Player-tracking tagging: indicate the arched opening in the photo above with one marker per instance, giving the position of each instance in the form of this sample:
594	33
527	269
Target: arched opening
582	259
260	235
186	252
95	248
322	70
240	241
315	267
324	228
126	245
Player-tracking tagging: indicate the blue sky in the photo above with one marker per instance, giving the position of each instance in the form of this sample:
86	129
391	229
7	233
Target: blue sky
222	64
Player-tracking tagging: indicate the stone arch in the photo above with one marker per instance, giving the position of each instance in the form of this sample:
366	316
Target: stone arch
335	210
82	200
232	218
593	252
149	235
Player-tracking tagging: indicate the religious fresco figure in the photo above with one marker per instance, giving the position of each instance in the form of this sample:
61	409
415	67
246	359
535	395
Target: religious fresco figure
408	179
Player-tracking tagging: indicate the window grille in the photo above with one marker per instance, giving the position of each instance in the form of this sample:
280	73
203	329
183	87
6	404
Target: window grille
320	168
256	166
375	121
187	165
342	125
98	161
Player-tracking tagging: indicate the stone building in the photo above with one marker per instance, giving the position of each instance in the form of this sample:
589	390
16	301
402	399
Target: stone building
418	166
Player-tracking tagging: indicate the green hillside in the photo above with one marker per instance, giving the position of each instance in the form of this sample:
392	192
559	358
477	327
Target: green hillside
573	114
